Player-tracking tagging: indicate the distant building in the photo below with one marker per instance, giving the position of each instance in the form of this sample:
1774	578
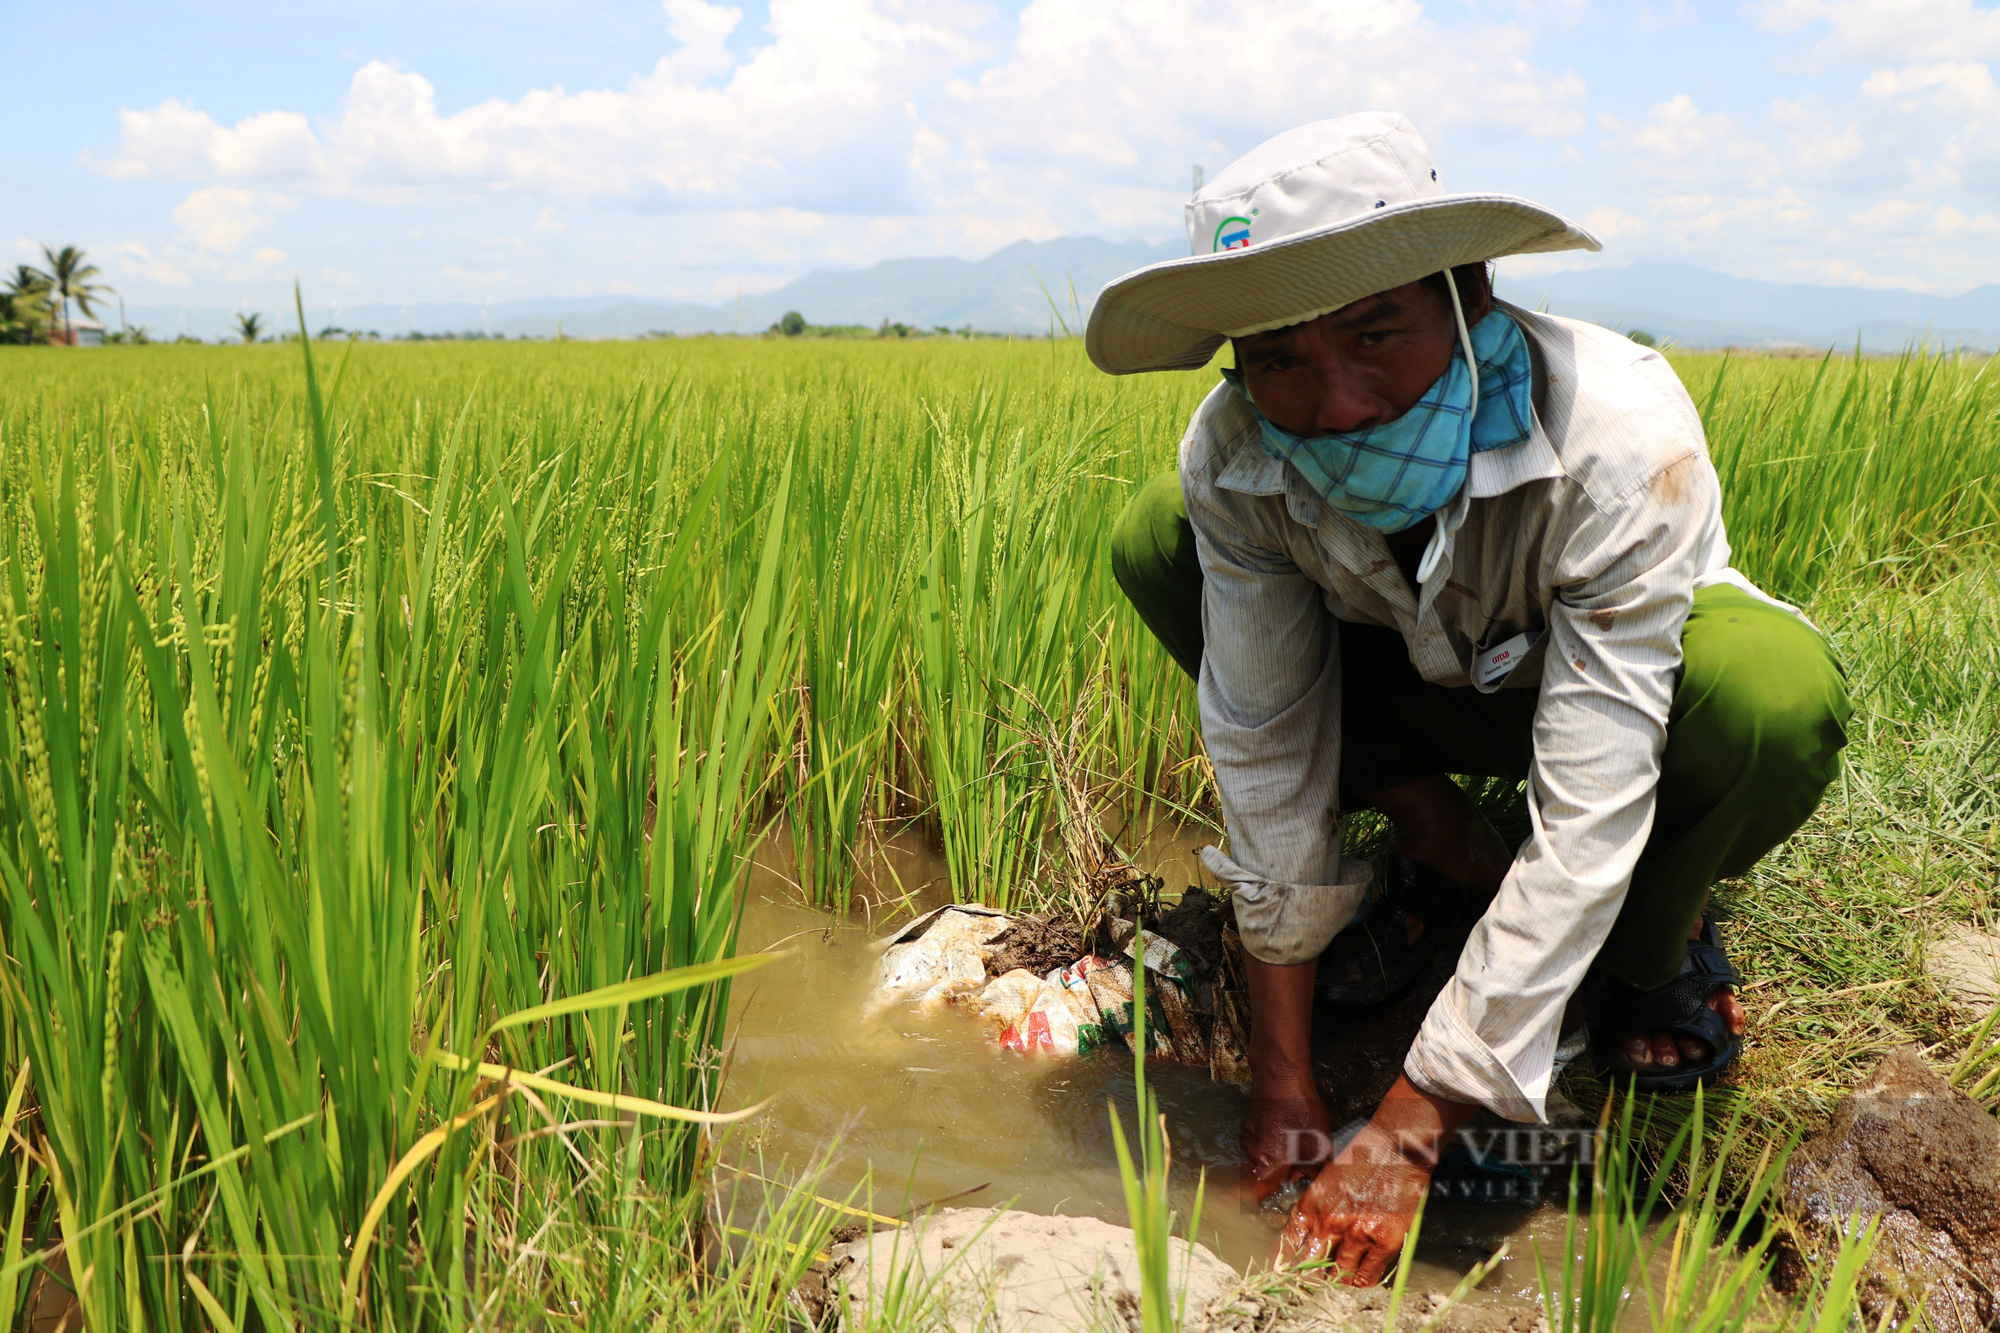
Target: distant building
81	332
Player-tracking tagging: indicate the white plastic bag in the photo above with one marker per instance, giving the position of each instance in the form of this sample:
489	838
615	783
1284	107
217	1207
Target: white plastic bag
940	957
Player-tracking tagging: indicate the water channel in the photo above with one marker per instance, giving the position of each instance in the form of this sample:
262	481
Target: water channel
924	1107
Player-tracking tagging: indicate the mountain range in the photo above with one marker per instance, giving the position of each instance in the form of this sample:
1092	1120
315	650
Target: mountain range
1703	308
1040	287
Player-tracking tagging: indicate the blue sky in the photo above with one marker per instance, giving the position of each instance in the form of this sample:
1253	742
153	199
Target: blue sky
207	154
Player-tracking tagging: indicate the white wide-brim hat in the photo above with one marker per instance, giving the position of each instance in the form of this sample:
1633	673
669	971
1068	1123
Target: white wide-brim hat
1303	224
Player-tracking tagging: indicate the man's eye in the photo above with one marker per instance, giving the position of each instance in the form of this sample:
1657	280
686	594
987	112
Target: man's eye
1371	338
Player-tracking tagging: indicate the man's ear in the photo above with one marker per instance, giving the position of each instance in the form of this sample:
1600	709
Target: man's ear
1478	294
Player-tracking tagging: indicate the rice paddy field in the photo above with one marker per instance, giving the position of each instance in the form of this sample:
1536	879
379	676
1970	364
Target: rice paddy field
386	737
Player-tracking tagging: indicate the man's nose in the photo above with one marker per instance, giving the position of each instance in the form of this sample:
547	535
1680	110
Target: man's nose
1347	405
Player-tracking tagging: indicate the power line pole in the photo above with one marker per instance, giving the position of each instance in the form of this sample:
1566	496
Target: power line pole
1197	179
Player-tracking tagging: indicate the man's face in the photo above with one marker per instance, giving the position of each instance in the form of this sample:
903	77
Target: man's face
1360	366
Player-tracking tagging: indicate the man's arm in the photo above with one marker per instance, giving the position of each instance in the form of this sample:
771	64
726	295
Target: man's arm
1270	721
1600	727
1270	713
1286	1130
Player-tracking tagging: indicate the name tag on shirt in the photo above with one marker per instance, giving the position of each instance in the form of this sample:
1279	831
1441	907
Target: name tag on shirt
1491	667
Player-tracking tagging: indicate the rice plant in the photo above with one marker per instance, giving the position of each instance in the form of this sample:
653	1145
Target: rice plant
319	760
1162	1306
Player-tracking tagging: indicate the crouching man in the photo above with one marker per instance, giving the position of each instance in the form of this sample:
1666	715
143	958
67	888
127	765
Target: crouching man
1418	532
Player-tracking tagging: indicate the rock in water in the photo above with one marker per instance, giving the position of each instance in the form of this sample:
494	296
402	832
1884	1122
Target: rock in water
1011	1272
1911	1149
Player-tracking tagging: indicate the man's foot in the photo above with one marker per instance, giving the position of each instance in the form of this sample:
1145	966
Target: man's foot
1447	859
1436	824
1394	936
1669	1050
1677	1042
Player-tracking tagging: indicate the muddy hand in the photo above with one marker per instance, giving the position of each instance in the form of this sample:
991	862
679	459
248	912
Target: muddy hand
1358	1210
1282	1137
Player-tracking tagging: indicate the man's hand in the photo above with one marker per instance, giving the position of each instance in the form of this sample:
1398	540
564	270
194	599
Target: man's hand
1358	1210
1284	1136
1285	1131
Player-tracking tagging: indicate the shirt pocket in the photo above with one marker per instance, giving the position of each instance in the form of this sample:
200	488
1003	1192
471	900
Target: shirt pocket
1508	657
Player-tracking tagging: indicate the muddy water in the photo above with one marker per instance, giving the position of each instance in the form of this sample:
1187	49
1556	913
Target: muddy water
923	1107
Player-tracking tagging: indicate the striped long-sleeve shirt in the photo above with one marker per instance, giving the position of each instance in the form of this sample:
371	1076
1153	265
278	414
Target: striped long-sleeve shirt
1590	537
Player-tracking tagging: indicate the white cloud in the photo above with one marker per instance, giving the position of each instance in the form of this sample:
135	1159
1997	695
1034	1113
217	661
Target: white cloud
822	97
702	30
1612	223
1089	115
1663	17
1950	222
220	218
840	132
1883	32
137	258
1679	144
1888	214
1707	218
176	142
1963	87
1823	139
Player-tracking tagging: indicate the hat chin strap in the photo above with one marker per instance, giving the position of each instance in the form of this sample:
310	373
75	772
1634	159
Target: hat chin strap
1464	336
1434	549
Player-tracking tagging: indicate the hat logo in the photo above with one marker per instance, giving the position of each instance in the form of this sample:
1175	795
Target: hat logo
1233	234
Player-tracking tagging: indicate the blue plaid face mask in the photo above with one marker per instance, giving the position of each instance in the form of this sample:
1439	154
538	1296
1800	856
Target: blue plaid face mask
1393	476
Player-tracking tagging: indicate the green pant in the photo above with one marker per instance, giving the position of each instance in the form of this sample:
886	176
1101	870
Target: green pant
1753	737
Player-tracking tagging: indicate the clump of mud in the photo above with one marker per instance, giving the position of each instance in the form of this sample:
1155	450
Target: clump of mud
1907	1147
1195	925
1037	943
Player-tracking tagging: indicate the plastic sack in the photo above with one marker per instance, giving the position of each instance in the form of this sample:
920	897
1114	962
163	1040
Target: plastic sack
1110	984
1055	1013
1006	999
939	957
1073	983
1170	995
1229	1033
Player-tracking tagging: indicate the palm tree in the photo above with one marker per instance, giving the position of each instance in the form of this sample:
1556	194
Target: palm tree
24	307
71	279
249	326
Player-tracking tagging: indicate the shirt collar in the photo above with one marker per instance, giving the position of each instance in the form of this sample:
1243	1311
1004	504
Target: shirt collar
1249	470
1498	471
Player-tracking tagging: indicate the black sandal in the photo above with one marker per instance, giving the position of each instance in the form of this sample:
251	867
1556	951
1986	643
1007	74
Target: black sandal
1679	1007
1374	957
